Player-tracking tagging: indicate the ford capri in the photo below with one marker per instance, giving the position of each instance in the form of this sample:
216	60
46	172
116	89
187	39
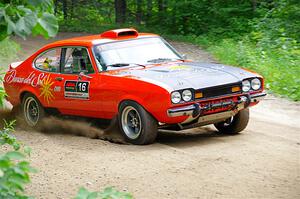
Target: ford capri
138	78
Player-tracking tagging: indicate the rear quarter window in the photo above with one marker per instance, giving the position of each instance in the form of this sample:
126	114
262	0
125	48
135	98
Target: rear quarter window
49	60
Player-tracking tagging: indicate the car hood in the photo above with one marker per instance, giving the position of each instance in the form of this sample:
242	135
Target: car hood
176	76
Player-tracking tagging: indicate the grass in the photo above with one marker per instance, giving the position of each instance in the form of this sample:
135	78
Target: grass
281	71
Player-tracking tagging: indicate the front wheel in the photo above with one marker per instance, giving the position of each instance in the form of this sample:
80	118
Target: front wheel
235	124
32	111
136	124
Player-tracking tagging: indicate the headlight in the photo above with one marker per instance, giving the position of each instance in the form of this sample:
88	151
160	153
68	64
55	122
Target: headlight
187	95
175	97
246	85
255	84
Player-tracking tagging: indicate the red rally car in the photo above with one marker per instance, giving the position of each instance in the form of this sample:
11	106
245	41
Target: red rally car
138	78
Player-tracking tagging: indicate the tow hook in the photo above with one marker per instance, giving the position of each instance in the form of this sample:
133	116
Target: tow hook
197	110
245	99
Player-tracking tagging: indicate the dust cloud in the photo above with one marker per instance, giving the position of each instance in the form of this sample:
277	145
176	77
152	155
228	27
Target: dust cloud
55	125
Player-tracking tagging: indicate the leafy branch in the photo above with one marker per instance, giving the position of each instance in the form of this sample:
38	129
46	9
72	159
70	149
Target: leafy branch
14	169
27	17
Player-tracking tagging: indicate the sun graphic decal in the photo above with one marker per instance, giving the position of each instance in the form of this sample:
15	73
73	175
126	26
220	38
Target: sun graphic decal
46	90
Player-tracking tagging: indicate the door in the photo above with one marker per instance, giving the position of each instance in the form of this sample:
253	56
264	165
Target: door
78	83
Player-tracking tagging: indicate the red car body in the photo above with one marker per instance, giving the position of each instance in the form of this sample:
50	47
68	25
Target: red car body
107	89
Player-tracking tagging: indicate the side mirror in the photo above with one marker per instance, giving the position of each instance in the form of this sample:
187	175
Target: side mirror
184	56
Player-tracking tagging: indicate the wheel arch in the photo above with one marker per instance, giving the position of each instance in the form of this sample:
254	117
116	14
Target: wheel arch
22	94
138	101
30	91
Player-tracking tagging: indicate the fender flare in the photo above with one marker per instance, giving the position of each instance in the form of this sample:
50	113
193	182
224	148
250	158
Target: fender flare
31	90
136	99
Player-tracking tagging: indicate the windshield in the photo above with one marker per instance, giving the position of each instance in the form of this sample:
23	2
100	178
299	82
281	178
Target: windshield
111	56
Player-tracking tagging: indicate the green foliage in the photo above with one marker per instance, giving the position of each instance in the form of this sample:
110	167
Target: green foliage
175	17
108	193
2	95
279	67
14	169
199	17
8	53
279	24
25	17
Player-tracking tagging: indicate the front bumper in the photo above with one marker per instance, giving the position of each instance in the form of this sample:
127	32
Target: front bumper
257	97
195	110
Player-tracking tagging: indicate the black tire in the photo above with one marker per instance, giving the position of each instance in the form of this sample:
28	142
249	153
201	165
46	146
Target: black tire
32	111
235	124
136	124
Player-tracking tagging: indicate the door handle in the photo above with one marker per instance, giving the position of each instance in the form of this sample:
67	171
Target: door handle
59	78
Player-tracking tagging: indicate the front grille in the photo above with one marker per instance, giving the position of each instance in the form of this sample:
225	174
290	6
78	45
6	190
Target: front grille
216	91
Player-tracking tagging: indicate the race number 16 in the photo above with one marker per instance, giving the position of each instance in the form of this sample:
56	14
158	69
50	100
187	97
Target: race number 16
82	86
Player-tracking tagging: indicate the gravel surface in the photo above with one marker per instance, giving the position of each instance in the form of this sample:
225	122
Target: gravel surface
262	162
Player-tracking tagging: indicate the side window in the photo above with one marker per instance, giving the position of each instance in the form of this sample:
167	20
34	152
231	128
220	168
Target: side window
75	60
49	61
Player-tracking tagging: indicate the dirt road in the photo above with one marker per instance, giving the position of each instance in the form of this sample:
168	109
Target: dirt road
262	162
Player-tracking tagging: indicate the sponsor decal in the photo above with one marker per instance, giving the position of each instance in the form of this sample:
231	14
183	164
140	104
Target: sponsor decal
77	89
179	67
44	81
217	104
57	89
33	79
46	90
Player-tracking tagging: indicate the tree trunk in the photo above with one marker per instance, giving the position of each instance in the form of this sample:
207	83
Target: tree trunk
162	7
55	6
149	10
254	5
160	4
138	11
73	5
65	8
120	11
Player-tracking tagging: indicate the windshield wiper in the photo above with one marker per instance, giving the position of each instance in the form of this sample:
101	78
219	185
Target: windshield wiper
118	65
159	60
125	64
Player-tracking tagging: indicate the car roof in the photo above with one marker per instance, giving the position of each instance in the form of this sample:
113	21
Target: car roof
108	36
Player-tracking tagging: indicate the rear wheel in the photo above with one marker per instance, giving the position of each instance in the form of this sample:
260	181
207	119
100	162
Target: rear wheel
32	111
136	124
235	124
